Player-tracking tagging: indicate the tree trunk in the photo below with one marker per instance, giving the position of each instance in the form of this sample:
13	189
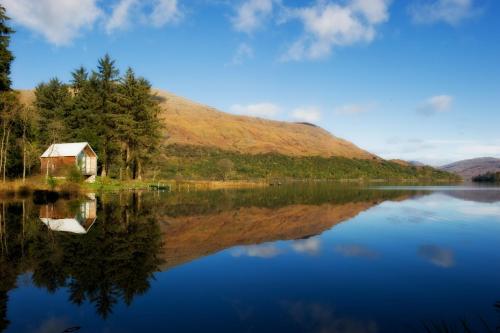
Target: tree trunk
127	162
139	170
5	153
2	144
24	155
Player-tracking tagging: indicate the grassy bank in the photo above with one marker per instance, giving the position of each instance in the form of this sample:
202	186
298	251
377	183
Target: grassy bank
19	188
108	184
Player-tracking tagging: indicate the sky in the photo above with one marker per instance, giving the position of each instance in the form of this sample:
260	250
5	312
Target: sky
410	79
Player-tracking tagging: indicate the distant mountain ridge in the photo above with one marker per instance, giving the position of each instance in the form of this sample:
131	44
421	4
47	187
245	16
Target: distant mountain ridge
471	168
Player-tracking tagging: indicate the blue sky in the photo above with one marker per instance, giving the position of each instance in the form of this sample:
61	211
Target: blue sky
413	79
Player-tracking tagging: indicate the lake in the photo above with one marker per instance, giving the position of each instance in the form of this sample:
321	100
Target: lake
308	258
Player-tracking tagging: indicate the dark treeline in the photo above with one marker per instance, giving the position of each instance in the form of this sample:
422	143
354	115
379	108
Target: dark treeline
117	114
489	177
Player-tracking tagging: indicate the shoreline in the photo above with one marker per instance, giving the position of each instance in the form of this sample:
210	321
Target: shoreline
13	187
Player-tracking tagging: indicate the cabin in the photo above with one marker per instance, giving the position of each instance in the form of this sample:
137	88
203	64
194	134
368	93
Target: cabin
58	216
59	157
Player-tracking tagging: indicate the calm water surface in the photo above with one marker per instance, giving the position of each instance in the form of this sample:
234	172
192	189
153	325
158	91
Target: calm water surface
289	259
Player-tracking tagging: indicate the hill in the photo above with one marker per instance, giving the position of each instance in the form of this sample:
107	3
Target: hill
197	138
190	123
471	168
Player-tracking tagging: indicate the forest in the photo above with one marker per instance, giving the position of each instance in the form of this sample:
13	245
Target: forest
116	113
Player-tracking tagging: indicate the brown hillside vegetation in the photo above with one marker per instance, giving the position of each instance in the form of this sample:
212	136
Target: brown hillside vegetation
190	123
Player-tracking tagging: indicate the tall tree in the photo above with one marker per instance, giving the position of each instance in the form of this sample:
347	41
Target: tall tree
53	102
140	126
6	56
84	120
107	76
10	107
9	102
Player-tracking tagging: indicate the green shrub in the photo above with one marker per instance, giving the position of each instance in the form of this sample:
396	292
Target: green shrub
52	182
74	175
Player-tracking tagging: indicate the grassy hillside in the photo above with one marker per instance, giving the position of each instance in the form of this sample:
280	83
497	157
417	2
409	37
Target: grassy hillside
194	162
189	123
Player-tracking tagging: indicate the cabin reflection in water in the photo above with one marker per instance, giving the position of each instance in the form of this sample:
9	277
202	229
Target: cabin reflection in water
73	217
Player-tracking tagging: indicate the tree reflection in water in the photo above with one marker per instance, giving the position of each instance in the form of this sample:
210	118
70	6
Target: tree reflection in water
114	262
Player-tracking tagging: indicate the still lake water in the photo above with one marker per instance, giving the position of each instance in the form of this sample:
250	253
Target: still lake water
289	259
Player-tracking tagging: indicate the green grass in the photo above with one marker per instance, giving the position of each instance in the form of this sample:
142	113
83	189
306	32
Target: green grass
110	184
192	162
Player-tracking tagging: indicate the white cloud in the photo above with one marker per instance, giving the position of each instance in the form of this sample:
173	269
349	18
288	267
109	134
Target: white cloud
164	12
352	109
327	25
309	114
449	11
265	109
243	53
59	21
374	10
120	16
436	104
153	12
251	14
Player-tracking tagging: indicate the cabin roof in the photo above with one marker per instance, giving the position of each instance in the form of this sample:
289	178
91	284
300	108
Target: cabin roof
66	149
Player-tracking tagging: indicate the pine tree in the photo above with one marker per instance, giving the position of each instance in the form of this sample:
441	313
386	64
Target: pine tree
79	79
53	102
84	118
6	56
140	126
9	102
107	76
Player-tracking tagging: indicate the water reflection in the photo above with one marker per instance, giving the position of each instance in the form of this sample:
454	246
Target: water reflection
298	259
356	250
437	255
310	246
317	317
251	218
77	218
